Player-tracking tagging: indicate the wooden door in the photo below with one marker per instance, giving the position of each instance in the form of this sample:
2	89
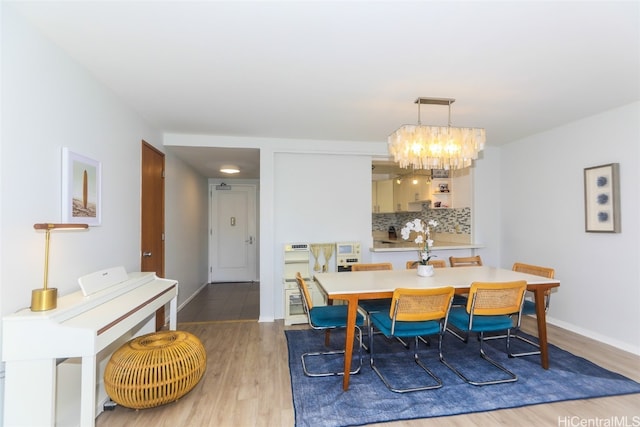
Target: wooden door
152	221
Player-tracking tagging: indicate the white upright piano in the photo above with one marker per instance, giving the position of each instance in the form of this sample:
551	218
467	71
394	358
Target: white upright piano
54	359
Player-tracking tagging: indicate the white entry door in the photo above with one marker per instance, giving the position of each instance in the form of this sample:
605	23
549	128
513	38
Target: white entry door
232	238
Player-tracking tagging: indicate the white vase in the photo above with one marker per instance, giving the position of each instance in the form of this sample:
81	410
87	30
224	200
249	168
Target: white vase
425	270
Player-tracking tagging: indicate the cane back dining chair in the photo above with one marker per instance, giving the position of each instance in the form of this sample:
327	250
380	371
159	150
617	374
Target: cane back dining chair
414	313
369	306
323	318
491	308
372	266
468	261
529	307
436	263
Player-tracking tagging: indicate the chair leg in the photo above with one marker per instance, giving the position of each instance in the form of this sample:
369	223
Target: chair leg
518	337
511	376
368	327
462	336
366	315
515	335
416	358
425	340
525	353
403	342
329	353
400	340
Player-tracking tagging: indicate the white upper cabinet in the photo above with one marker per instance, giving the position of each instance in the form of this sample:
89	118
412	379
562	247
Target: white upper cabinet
409	194
382	196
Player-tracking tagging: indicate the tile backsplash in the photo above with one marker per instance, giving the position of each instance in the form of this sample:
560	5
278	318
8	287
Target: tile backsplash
453	220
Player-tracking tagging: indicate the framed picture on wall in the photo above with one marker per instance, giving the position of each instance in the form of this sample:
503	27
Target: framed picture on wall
81	189
602	198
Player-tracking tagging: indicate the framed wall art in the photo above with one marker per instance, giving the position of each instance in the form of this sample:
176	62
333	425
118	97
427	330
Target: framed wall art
602	198
81	189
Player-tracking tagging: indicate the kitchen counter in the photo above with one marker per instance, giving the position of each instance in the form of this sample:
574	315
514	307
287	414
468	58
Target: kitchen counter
442	241
398	251
386	246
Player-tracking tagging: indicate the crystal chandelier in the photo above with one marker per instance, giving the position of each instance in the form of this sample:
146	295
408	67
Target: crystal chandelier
435	147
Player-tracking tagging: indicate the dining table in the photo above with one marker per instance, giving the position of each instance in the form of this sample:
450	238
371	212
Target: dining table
352	286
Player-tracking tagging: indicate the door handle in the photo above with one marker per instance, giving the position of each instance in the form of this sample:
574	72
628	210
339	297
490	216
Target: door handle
250	241
146	254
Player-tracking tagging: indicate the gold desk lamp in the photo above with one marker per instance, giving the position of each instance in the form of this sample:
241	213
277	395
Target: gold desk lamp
47	298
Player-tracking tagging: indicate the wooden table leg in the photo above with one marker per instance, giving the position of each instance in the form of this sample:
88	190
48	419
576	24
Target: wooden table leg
352	311
542	327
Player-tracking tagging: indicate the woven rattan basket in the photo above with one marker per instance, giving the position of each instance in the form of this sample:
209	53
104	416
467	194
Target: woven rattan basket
155	369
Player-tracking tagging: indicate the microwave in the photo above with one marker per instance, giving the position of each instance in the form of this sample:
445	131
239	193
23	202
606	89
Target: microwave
347	254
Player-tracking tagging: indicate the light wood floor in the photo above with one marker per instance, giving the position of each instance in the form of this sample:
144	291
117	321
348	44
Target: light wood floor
247	384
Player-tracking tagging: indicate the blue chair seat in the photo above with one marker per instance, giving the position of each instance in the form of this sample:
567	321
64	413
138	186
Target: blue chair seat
459	300
529	307
332	316
382	322
459	318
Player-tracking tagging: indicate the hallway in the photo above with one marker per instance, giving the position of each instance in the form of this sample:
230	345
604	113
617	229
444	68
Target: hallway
223	302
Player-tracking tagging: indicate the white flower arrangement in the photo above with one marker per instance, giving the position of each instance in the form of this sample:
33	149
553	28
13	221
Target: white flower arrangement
423	237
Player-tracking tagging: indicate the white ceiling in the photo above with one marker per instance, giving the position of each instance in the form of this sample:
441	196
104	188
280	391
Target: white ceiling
351	70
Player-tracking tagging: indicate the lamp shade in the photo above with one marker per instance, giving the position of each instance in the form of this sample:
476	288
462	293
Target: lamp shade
435	147
51	226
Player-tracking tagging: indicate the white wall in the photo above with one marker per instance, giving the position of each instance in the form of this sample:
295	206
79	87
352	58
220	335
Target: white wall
486	212
49	102
319	199
542	211
186	227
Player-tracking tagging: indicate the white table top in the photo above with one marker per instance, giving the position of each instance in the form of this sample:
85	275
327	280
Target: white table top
387	280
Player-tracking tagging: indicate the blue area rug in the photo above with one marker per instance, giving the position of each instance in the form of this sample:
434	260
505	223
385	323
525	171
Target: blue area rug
320	401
